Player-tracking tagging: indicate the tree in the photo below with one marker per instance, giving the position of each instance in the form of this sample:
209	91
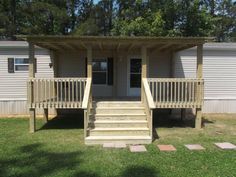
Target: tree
8	18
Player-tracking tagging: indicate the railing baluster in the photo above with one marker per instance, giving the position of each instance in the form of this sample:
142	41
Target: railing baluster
156	93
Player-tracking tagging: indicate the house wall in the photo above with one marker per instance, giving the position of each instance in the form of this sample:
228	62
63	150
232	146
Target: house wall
159	65
219	72
13	90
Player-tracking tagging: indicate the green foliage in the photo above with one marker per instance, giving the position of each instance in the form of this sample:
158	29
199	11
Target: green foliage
151	26
87	28
119	17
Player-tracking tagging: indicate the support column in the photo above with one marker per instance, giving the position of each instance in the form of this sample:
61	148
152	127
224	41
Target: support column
32	123
144	67
115	63
54	60
198	121
172	74
45	115
89	61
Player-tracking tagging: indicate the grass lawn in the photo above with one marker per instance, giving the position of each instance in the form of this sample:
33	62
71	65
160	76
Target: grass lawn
57	149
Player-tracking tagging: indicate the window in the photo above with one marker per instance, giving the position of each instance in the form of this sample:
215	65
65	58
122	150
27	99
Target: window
100	71
21	64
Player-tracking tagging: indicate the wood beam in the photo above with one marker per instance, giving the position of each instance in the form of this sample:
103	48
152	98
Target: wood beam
68	45
177	49
165	47
199	60
62	46
198	120
48	46
144	61
84	46
75	46
31	91
155	48
32	122
45	115
130	46
118	47
100	46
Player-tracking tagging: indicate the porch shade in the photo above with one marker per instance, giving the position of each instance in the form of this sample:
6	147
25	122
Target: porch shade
62	43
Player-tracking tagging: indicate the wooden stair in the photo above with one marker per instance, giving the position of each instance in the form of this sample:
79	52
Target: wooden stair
118	121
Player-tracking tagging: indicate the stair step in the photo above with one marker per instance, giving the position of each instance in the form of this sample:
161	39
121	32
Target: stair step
119	110
120	116
118	123
118	104
119	131
92	140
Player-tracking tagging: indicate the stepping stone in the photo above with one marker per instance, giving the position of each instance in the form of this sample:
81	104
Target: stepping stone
225	145
120	145
194	147
166	147
137	148
108	145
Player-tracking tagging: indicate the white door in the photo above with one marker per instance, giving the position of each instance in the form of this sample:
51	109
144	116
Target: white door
134	76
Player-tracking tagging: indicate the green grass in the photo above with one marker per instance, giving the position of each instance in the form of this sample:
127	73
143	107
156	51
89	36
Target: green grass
57	149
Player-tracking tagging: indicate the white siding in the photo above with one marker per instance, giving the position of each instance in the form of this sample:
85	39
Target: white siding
219	72
13	85
13	90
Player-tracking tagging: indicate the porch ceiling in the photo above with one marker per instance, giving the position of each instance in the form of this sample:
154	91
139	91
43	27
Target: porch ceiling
162	44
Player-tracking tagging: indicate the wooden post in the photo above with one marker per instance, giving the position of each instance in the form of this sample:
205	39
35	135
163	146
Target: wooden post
172	74
32	123
45	115
198	121
144	68
115	63
89	62
54	60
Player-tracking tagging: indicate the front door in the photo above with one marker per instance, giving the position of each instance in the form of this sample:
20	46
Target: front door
134	76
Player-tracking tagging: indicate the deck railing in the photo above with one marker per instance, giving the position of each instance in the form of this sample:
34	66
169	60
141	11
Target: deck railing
56	92
176	92
87	105
148	102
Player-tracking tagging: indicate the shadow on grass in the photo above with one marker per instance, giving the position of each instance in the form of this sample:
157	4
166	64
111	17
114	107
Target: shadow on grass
139	171
33	160
69	121
166	120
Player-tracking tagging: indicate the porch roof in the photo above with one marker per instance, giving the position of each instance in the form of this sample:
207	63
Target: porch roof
61	42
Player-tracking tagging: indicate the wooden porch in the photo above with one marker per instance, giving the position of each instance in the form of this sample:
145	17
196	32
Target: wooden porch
76	93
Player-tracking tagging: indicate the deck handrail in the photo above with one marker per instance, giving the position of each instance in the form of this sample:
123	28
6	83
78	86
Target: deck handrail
87	94
87	104
56	92
148	94
177	92
148	102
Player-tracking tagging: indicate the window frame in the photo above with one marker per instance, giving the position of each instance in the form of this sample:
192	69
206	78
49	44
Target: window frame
102	59
17	64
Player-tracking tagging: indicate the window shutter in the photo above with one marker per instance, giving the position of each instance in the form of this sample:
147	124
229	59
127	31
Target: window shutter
110	71
10	65
86	69
35	65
